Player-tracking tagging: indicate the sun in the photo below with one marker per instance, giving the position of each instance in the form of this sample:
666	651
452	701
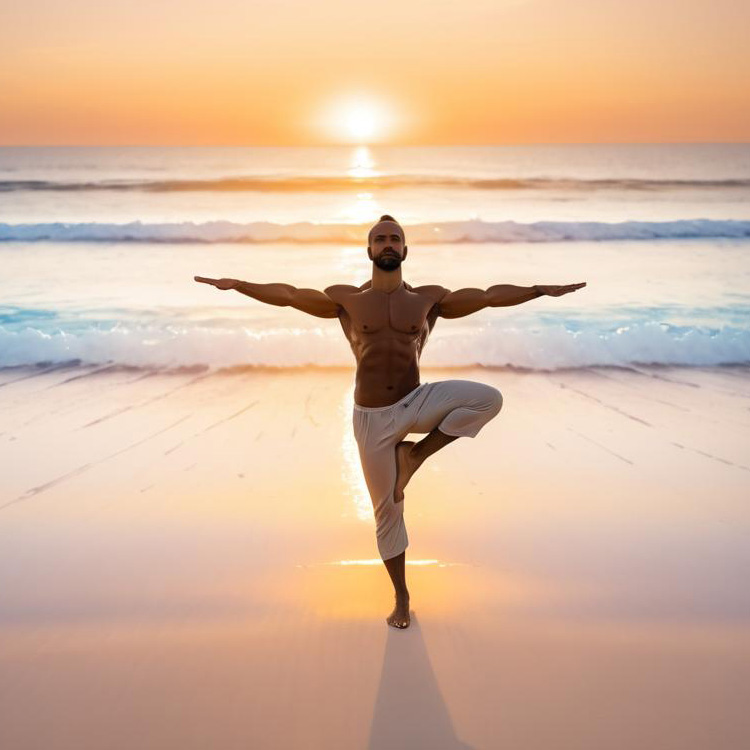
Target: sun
360	119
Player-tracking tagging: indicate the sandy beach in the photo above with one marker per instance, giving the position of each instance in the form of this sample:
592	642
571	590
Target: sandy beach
188	560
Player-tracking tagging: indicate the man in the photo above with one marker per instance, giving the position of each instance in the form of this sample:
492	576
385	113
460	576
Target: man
387	323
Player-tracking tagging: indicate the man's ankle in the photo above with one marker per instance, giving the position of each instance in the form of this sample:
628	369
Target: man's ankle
415	454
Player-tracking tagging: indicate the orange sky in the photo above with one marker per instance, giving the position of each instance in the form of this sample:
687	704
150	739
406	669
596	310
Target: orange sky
264	72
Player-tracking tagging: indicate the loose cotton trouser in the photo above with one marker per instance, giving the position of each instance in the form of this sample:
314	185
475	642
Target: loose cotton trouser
458	407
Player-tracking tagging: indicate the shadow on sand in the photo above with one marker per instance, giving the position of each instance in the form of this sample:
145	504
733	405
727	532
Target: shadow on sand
409	710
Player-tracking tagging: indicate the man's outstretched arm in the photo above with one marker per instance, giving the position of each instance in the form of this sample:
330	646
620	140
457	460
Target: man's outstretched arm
310	301
467	301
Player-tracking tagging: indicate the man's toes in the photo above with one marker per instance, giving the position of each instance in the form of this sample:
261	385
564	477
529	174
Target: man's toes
396	623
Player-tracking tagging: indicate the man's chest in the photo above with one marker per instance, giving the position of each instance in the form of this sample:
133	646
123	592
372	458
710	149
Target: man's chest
375	312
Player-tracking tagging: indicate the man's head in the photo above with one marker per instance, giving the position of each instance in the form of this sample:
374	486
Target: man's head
385	244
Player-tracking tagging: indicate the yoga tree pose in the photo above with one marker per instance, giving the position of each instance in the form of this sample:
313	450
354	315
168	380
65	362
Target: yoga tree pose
387	323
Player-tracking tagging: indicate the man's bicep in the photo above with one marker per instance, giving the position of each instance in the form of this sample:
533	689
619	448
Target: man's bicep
315	302
462	302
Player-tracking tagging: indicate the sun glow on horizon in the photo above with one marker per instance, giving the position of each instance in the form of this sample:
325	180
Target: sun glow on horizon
479	73
358	119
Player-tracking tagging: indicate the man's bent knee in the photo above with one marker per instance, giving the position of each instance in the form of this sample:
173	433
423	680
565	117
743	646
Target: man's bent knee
497	400
494	400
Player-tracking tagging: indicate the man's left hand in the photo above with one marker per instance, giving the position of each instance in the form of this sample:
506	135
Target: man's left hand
558	291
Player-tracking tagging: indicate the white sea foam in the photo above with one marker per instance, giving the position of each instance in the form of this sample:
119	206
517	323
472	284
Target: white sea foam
474	230
545	347
290	183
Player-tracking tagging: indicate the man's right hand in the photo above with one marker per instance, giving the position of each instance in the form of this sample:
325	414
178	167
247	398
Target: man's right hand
223	284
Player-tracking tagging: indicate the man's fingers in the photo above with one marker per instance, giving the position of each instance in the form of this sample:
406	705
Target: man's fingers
556	291
204	280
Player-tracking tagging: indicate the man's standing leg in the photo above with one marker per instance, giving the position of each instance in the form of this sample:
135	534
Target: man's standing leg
373	430
396	567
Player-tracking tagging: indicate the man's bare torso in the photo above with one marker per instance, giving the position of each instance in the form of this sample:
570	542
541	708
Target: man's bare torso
387	332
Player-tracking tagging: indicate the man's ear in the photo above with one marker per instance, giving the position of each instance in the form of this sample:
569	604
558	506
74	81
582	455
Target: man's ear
369	254
406	250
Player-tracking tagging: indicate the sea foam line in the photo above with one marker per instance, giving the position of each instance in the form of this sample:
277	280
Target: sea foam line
545	347
473	230
338	183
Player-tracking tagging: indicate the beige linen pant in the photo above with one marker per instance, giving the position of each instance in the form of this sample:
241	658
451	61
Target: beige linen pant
457	407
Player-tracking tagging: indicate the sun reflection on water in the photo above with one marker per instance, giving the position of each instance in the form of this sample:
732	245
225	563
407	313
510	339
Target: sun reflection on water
362	164
364	208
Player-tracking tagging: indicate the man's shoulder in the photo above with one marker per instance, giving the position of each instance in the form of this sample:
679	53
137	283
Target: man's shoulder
338	291
435	292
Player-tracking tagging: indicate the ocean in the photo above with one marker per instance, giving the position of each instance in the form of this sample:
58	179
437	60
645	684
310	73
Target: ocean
99	247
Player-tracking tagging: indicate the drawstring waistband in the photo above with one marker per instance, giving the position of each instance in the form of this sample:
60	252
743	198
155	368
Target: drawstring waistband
413	394
416	393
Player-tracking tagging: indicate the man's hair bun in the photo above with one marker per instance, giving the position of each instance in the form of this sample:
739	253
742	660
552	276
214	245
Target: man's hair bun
387	217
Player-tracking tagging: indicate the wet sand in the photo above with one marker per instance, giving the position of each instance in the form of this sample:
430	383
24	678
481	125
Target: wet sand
188	560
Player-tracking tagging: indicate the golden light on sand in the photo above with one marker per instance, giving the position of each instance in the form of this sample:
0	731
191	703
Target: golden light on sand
358	118
378	561
353	476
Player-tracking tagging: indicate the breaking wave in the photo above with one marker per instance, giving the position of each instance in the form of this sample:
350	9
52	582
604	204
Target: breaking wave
474	230
544	347
336	183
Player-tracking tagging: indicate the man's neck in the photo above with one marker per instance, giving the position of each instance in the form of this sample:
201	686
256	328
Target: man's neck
385	281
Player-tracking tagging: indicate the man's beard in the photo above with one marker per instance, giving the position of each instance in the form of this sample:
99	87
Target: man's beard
387	263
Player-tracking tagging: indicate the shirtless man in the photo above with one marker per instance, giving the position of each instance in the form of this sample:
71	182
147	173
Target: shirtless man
387	323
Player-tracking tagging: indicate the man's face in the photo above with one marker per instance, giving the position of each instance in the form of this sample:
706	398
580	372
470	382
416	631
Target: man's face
387	249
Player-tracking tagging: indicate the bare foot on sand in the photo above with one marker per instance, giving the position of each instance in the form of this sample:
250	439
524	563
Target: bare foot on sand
406	465
400	618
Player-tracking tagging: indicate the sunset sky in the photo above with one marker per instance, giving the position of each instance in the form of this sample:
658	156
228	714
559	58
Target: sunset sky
292	72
